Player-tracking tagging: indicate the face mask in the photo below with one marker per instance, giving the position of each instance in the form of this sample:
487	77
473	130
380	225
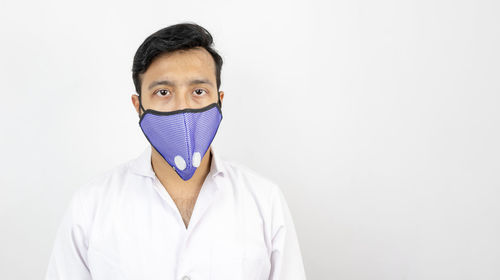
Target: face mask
182	137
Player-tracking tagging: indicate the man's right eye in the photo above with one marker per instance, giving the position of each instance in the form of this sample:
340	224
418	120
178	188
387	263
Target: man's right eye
162	92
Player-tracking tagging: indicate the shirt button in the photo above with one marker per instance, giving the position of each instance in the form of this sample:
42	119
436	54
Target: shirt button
186	278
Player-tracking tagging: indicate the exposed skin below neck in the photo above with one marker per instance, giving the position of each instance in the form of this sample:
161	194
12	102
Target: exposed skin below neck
175	185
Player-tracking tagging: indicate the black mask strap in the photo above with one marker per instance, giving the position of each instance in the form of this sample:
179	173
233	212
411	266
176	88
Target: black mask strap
220	103
140	105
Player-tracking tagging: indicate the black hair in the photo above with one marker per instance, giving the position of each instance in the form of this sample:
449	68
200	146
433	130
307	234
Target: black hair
179	36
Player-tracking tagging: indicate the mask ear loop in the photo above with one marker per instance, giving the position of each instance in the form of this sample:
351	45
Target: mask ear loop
140	106
220	103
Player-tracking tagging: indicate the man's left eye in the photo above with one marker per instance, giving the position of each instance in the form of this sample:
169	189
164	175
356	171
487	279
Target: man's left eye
199	90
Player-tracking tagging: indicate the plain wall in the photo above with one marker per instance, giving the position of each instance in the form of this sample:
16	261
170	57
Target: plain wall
378	119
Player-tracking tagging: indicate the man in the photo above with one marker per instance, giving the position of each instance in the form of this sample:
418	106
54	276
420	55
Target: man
179	210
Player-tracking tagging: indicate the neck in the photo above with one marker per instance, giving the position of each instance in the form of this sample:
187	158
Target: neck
174	184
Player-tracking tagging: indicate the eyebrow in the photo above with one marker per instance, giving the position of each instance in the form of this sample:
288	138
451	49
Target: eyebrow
170	83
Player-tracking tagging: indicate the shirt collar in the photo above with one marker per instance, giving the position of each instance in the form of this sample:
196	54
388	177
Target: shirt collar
142	164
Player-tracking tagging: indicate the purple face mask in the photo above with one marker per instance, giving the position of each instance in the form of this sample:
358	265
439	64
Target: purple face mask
182	137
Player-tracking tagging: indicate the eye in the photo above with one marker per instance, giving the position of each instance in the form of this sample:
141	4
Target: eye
162	92
199	90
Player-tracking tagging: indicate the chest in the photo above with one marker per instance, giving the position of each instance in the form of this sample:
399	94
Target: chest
139	237
185	207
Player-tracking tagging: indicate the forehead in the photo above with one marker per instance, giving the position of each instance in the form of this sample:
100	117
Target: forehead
181	64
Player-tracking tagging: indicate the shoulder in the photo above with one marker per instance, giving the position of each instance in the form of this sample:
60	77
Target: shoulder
246	178
248	174
102	185
257	189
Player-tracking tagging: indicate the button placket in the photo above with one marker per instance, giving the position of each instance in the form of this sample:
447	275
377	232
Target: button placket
183	270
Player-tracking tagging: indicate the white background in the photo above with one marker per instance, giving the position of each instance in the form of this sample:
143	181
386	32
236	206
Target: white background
378	119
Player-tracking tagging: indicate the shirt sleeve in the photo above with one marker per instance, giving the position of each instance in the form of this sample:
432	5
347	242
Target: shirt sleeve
286	257
68	258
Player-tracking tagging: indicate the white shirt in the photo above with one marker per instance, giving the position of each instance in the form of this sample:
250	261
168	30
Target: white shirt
123	224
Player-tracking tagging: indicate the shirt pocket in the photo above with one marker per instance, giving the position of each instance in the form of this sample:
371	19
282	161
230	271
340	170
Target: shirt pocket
226	268
255	268
242	268
105	265
240	265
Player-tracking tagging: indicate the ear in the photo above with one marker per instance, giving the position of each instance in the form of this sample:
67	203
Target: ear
221	96
135	102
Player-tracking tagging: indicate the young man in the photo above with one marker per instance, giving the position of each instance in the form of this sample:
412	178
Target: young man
179	210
